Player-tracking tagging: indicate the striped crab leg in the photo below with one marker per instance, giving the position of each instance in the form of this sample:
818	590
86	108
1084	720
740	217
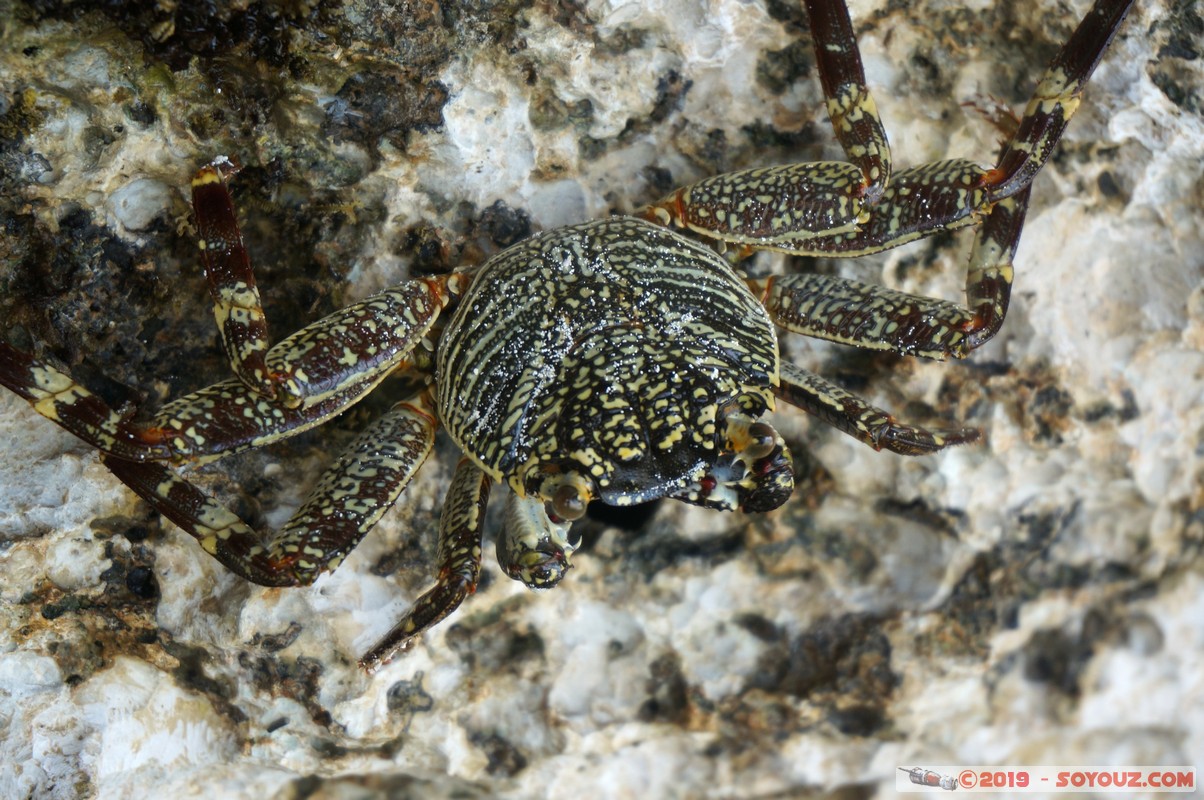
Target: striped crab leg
851	107
241	324
337	360
460	531
1057	98
819	209
366	339
942	196
323	369
307	378
328	366
359	486
350	497
875	317
531	547
57	397
762	208
946	195
852	415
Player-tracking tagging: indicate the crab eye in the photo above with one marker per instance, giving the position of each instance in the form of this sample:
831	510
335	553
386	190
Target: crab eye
567	503
762	440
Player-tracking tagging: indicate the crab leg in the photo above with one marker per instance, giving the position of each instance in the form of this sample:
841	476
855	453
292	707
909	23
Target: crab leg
1056	99
241	323
788	206
227	417
326	358
823	209
332	364
878	318
851	107
859	419
351	495
56	396
944	195
460	530
301	382
320	371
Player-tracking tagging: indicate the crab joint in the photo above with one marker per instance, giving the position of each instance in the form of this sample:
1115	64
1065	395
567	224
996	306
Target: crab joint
569	498
753	440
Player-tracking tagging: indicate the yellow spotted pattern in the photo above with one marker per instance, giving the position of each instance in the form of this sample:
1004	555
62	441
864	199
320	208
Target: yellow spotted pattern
607	348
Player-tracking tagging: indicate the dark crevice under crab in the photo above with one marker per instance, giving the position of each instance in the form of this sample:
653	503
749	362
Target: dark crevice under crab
617	360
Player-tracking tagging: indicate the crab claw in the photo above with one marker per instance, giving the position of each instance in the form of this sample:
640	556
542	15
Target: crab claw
770	480
753	473
531	547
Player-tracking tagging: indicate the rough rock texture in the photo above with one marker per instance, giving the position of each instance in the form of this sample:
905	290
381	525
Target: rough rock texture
1035	599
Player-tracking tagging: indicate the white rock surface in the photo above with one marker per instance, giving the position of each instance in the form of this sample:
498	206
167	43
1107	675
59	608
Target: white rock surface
1035	599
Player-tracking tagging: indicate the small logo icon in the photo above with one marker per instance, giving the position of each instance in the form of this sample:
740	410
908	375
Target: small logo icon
926	777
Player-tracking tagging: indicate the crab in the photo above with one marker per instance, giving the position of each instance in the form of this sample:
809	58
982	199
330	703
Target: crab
620	360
